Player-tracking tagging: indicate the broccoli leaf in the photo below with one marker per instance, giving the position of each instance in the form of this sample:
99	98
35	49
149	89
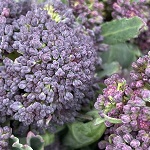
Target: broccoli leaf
121	30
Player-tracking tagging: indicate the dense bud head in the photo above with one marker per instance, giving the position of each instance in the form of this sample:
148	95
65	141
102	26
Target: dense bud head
54	74
131	140
133	110
138	112
133	132
10	10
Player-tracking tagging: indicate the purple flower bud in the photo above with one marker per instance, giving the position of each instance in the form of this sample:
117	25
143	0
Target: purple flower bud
16	106
135	109
22	84
134	65
134	76
125	118
126	109
146	95
46	57
42	96
126	147
2	19
117	7
69	96
60	72
117	140
31	63
135	143
123	129
34	21
147	71
118	97
139	84
54	73
25	69
134	125
31	96
127	138
109	147
133	116
102	144
77	83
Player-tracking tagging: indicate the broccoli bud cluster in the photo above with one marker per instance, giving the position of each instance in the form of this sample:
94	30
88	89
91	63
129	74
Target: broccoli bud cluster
141	72
129	9
53	75
9	12
129	103
89	13
5	133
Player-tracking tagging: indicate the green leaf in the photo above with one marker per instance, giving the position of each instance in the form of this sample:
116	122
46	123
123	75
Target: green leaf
83	134
121	30
102	86
48	138
109	69
65	1
124	53
134	1
36	144
35	141
16	145
13	140
13	55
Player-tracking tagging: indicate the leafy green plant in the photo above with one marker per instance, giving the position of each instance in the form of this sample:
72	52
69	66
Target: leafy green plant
83	134
118	31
